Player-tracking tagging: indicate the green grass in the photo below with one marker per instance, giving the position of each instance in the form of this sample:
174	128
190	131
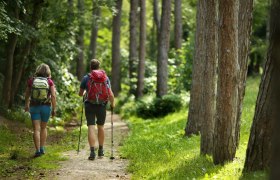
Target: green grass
157	149
17	150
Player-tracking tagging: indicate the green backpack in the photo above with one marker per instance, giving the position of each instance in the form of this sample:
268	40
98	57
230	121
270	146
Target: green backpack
40	90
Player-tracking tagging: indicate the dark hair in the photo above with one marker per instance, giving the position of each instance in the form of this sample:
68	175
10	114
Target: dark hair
94	64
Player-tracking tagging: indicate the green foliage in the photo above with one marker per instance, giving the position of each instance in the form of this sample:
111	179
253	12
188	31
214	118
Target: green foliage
17	149
159	107
157	149
17	114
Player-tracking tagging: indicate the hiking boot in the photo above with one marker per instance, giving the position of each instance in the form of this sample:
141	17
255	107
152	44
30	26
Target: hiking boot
100	152
42	150
91	156
37	154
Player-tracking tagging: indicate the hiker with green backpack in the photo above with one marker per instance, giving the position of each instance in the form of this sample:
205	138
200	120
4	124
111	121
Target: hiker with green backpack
96	88
40	101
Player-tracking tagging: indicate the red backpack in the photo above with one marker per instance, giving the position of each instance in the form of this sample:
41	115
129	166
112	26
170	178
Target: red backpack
98	90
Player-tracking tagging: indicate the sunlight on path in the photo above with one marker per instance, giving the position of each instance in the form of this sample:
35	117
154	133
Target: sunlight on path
79	167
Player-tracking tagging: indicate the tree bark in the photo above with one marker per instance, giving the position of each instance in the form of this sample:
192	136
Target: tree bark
163	47
156	15
227	87
259	150
142	50
244	33
178	24
209	79
275	38
116	54
26	49
80	69
10	50
193	124
133	40
7	85
94	29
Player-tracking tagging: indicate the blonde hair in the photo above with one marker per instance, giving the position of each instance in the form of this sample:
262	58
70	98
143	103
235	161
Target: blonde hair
43	70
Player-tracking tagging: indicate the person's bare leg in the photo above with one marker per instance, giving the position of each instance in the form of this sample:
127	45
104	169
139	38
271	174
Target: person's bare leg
36	133
91	138
100	140
91	141
101	136
43	134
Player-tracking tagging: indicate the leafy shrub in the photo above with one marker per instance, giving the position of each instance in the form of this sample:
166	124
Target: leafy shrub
145	109
158	107
121	100
167	104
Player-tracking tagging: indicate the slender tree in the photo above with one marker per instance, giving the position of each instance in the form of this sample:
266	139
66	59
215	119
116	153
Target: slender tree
94	29
116	54
7	85
26	48
193	124
208	87
10	51
163	47
178	24
227	87
259	150
80	41
244	32
142	49
156	15
132	40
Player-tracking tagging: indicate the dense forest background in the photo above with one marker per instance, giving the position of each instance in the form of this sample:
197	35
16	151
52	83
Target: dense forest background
64	33
162	57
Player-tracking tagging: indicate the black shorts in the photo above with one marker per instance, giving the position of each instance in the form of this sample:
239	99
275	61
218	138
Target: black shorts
95	110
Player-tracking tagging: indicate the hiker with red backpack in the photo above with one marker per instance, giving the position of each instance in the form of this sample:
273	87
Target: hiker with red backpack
40	101
97	86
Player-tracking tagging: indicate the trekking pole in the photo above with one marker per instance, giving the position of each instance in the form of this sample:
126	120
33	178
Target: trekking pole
81	126
112	135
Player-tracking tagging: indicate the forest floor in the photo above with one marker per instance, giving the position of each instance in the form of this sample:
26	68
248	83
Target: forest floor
70	164
79	167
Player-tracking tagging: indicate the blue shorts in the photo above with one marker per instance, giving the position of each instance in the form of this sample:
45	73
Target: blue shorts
41	112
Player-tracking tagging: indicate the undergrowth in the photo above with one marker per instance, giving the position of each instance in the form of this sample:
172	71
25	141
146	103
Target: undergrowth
17	150
157	148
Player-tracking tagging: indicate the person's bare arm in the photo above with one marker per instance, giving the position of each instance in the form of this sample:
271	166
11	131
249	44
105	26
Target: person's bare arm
53	100
27	98
111	98
81	93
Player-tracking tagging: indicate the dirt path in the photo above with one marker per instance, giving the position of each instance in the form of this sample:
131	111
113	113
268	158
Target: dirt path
79	167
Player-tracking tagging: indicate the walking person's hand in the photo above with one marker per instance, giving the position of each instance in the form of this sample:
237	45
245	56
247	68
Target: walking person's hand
53	112
26	109
112	105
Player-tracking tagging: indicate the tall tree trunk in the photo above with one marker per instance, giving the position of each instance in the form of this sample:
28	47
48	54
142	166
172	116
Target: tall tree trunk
10	50
116	53
259	150
227	94
80	69
142	51
26	48
209	79
132	41
163	47
178	24
193	124
275	37
7	85
156	15
244	33
94	29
